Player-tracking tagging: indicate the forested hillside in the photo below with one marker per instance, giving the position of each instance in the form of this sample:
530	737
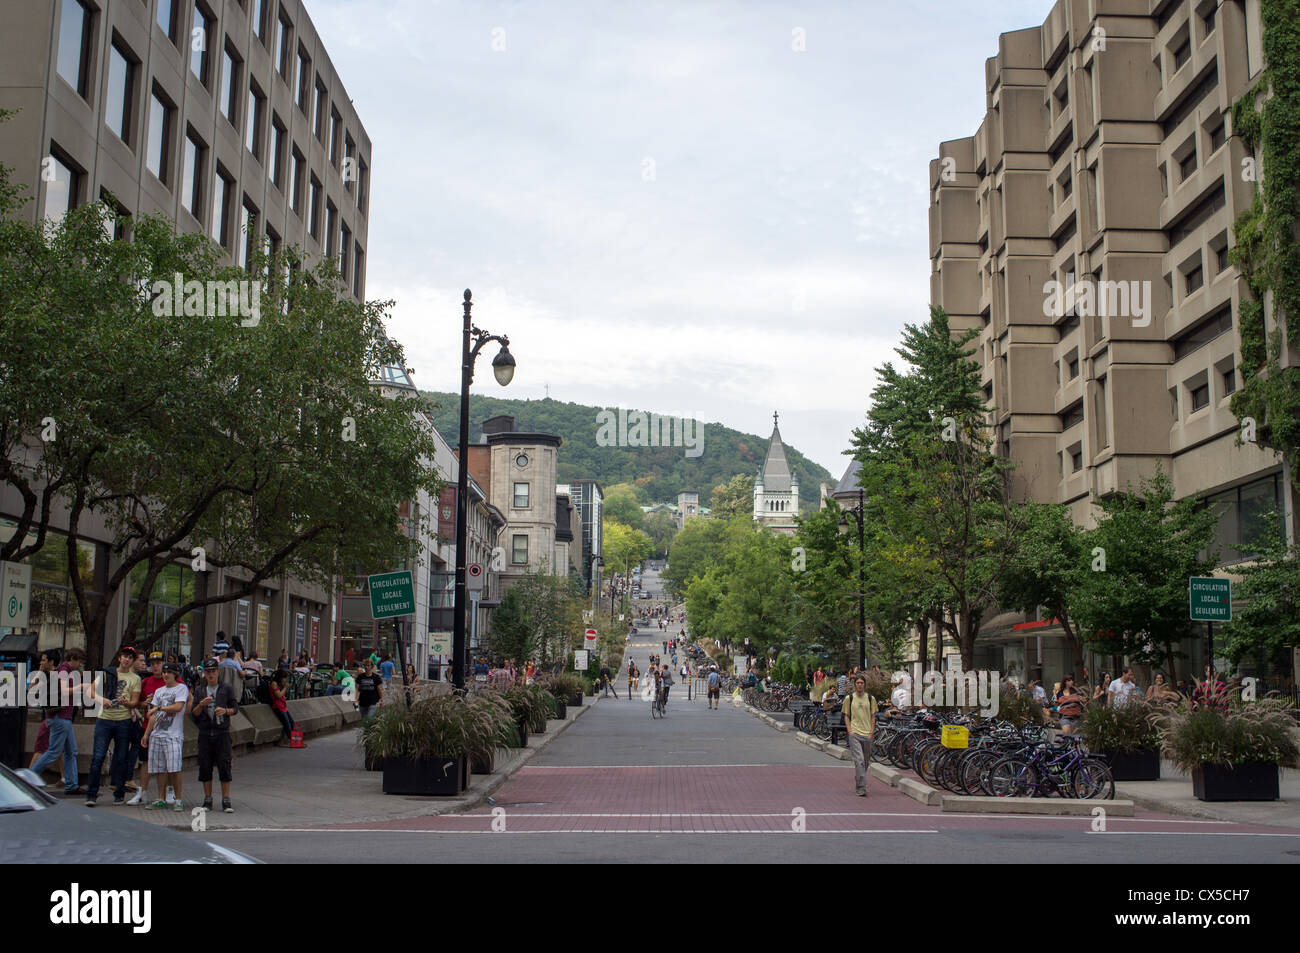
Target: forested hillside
661	471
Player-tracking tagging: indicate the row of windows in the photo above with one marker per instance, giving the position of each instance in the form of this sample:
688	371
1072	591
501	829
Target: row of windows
239	102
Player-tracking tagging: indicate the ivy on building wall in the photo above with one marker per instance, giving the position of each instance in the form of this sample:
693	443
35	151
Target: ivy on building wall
1267	118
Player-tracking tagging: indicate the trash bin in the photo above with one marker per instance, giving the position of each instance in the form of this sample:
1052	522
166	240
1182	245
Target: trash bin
16	649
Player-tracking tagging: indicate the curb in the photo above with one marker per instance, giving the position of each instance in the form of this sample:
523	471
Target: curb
1060	807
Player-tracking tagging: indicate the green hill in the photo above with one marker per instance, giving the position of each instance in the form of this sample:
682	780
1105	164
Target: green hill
662	471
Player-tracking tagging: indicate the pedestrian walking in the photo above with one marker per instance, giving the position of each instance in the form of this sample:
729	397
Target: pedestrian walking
715	687
164	737
387	669
607	681
1123	690
121	696
1069	704
211	707
860	720
370	689
58	721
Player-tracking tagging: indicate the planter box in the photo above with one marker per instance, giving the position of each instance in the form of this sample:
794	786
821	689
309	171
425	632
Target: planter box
481	767
374	764
1246	782
440	777
521	726
1140	765
575	699
561	710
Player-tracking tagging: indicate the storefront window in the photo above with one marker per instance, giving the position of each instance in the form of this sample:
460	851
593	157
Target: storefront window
53	614
175	585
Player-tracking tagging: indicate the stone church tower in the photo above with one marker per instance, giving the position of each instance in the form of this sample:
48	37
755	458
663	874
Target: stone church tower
776	489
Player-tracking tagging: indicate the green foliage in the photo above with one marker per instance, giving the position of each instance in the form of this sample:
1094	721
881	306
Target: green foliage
530	706
564	685
1266	612
732	498
623	546
1138	606
661	527
1128	727
661	472
1019	709
621	504
181	430
538	618
698	546
1261	731
444	726
1267	118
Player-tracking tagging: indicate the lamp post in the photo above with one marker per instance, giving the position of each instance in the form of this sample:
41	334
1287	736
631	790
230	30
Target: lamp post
859	517
503	367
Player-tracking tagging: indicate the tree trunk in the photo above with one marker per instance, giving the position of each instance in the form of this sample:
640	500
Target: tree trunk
923	637
1073	643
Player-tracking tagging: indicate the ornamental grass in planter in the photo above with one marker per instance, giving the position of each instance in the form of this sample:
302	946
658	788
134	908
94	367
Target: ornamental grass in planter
1233	755
1127	737
1019	709
493	727
530	708
427	746
566	687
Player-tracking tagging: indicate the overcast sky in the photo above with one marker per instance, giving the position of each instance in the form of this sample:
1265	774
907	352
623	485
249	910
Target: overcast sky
664	205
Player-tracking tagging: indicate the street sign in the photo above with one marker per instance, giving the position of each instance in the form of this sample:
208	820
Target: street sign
474	577
870	629
589	638
392	594
15	594
580	660
1209	599
183	630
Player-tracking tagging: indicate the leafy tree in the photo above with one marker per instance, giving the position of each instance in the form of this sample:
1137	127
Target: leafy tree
620	503
1047	569
265	445
699	545
1265	624
661	527
750	594
825	572
1152	545
623	546
545	617
733	498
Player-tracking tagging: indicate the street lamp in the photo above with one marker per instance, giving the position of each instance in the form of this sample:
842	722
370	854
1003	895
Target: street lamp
859	517
503	368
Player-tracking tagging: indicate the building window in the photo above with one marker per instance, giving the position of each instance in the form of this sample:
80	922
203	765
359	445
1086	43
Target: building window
1244	521
158	156
253	121
223	188
1099	414
1182	53
331	228
363	180
349	162
313	211
322	103
167	18
192	175
521	496
248	229
261	21
1193	280
121	93
345	253
1218	136
1187	165
276	159
284	47
63	191
118	228
73	63
230	85
1200	396
303	80
1076	459
200	59
336	126
295	183
519	550
358	271
1229	381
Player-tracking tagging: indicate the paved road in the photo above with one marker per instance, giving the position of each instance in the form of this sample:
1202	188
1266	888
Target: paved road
721	786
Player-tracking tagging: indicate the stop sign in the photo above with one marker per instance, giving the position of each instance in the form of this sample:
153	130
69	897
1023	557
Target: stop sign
590	636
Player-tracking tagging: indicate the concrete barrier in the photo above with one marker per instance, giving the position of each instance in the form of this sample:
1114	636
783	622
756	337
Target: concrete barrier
1064	807
921	792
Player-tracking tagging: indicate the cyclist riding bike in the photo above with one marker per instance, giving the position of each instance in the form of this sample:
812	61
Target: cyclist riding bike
667	681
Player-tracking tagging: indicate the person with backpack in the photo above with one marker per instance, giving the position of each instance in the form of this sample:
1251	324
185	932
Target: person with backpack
120	696
859	721
714	683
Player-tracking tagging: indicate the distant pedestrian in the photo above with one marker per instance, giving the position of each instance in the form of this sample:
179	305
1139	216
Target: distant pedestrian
860	719
387	668
1069	704
370	689
715	687
608	681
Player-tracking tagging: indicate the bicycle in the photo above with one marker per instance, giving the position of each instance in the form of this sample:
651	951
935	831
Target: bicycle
657	706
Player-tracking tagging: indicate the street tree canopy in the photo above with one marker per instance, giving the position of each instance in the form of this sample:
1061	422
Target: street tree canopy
254	443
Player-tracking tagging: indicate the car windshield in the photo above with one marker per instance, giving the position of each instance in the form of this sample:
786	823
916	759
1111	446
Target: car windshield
15	796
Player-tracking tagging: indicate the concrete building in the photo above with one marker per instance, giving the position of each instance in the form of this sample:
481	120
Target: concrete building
226	117
776	488
518	470
1106	164
589	499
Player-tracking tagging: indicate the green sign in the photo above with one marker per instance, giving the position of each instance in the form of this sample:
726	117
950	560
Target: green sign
391	594
1210	599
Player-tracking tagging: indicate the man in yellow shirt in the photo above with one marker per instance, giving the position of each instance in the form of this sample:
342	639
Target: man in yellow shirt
860	720
114	726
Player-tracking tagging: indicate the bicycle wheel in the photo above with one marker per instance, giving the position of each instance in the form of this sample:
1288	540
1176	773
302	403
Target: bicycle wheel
821	727
1011	777
924	760
880	747
1092	780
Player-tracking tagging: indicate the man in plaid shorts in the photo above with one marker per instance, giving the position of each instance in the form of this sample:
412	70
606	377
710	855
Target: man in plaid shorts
165	735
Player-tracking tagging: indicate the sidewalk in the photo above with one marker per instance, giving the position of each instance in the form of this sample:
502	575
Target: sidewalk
326	784
1173	794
